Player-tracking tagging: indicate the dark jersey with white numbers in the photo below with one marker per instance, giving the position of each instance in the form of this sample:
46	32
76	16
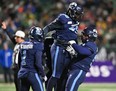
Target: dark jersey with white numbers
31	57
65	28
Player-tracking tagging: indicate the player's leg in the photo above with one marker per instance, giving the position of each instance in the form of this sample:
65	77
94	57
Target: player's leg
66	64
56	66
52	83
53	80
36	82
58	56
25	85
75	78
62	81
60	60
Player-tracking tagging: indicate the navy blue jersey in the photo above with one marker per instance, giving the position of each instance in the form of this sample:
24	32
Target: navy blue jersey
65	27
31	57
86	54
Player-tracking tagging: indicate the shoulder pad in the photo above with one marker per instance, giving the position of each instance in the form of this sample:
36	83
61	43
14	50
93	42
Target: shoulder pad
38	45
63	18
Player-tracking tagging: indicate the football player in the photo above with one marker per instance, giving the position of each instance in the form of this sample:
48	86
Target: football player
31	70
65	28
84	55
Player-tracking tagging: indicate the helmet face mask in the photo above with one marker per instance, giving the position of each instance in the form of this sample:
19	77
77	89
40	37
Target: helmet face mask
36	33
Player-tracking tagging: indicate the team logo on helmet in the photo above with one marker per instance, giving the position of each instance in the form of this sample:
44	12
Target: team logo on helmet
36	33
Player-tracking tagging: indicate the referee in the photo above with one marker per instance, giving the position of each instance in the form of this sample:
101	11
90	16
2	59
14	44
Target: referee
16	38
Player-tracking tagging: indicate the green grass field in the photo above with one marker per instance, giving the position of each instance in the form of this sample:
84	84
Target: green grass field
83	87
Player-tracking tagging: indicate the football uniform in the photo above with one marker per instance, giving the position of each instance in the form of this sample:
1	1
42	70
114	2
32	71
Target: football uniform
80	65
31	69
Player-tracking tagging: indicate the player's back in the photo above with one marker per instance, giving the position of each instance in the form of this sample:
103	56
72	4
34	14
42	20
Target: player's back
28	50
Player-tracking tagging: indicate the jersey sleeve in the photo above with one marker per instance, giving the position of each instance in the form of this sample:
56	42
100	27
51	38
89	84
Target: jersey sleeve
57	24
62	18
92	46
83	50
38	62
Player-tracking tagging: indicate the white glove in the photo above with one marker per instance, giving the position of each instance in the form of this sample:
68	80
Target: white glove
72	42
45	78
71	50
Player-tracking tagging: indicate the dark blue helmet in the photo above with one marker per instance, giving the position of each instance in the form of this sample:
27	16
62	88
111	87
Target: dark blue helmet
91	32
75	11
36	33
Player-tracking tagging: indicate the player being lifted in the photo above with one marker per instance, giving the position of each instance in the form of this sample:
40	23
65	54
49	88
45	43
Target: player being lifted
65	27
31	70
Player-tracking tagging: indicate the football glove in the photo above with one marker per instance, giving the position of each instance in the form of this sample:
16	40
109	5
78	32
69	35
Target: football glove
71	50
44	78
72	42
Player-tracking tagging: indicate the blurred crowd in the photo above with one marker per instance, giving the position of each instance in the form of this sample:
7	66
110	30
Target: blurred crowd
22	14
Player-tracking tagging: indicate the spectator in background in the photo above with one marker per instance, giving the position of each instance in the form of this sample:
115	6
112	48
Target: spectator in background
6	62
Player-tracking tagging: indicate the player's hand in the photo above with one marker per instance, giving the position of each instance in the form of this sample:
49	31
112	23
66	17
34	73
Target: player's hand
4	26
72	42
71	50
45	78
